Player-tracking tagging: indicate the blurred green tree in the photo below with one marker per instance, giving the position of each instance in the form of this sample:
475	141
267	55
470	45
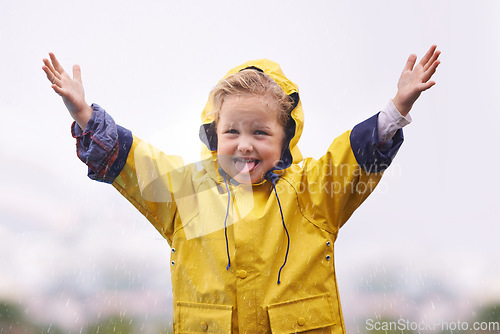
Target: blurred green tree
115	324
118	324
488	318
14	321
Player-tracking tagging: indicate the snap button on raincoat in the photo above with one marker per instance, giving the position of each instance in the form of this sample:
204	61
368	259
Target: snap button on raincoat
188	205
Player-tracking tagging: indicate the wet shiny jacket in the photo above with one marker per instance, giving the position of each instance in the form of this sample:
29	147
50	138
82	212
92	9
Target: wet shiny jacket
258	229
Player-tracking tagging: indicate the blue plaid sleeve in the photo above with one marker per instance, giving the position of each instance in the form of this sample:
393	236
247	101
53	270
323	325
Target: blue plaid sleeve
103	145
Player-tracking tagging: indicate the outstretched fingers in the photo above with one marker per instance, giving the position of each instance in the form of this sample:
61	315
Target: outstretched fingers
49	66
429	72
431	65
426	85
56	64
433	59
52	76
428	55
410	63
55	74
77	73
59	90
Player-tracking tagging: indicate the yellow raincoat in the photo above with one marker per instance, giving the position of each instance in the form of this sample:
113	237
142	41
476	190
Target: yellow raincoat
256	230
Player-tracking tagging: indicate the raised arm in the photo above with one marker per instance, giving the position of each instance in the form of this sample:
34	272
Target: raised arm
415	79
70	89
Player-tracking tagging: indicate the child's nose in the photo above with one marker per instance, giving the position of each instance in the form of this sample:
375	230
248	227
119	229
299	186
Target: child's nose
245	145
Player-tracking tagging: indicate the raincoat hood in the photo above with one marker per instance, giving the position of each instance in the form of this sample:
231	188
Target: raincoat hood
293	130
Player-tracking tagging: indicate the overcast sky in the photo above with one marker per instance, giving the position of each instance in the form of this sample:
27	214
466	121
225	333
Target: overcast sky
151	65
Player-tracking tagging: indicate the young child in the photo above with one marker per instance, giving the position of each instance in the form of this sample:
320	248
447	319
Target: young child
251	230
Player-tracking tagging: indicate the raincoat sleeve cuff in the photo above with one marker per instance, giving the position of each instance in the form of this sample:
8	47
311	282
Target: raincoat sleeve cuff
371	153
103	145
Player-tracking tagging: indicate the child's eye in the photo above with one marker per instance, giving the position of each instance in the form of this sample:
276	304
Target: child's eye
260	132
232	131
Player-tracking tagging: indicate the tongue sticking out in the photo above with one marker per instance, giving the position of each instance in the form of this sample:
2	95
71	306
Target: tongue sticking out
244	166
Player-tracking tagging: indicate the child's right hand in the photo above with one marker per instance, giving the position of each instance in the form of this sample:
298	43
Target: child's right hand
71	90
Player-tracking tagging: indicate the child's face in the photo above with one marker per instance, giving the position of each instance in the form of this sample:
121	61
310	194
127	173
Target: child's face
250	137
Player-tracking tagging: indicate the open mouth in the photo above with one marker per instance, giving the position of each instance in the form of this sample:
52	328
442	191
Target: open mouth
245	165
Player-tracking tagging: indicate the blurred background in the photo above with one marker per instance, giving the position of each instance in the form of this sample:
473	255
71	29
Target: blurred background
76	257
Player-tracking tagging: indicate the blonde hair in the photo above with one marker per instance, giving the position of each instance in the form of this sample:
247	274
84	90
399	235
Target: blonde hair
252	82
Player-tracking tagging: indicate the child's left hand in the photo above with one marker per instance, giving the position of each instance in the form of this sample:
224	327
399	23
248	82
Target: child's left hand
414	81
